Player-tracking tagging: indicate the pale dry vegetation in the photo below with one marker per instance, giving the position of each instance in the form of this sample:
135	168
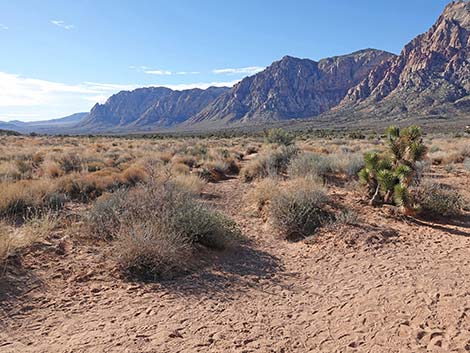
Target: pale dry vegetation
144	196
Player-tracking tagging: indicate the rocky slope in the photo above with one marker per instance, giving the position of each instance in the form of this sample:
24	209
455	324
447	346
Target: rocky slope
292	88
146	108
430	76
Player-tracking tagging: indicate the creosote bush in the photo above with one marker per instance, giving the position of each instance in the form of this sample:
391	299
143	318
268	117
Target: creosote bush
159	229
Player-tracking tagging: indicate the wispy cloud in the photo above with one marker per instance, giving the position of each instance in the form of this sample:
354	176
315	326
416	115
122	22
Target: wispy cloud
250	70
62	24
27	98
158	72
187	72
3	27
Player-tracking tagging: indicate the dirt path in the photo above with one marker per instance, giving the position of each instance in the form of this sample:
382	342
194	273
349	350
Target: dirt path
387	286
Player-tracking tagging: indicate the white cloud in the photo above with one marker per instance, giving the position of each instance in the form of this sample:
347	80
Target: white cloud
26	98
250	70
187	72
3	27
62	24
158	72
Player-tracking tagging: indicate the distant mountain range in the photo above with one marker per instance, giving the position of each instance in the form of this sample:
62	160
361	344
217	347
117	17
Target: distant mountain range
430	78
67	123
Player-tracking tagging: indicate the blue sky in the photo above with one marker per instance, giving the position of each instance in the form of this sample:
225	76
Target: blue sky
61	57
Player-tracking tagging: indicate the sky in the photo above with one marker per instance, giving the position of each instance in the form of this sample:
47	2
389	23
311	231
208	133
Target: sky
61	57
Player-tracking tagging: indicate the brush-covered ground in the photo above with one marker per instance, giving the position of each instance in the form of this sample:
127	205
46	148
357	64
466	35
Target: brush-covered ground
228	245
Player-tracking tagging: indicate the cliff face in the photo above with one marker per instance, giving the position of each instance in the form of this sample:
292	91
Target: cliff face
292	88
432	70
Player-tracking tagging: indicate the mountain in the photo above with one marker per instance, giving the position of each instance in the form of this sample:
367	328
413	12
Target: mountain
431	76
292	88
43	126
148	108
429	79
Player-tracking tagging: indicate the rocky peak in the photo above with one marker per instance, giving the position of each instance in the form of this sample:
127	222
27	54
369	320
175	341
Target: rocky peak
432	69
292	88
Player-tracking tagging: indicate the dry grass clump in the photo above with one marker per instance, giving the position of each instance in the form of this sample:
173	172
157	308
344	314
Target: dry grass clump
133	175
262	194
190	183
51	169
180	168
271	163
33	230
70	162
438	199
5	242
299	209
26	197
159	229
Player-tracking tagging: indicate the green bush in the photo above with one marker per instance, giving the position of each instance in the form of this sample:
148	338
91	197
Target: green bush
389	175
279	136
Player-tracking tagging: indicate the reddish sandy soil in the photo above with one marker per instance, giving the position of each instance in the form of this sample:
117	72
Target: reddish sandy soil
389	284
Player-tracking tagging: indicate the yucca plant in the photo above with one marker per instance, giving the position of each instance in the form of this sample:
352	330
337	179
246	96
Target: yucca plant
389	174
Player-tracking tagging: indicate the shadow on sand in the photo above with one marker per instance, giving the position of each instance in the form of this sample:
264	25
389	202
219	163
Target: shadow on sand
227	273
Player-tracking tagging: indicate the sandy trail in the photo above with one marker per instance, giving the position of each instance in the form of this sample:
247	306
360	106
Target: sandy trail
387	286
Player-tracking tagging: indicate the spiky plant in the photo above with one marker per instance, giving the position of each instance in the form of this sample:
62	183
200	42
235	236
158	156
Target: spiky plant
388	175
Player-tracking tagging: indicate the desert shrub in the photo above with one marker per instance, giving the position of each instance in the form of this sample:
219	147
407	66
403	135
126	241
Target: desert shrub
438	199
165	157
279	136
5	243
347	163
389	175
25	168
9	171
270	163
251	149
133	175
187	160
310	165
103	219
51	169
298	210
25	198
94	166
213	171
346	216
37	158
159	228
70	162
190	183
262	194
466	164
180	168
255	168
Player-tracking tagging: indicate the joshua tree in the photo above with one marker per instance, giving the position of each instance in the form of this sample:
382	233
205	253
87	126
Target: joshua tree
390	174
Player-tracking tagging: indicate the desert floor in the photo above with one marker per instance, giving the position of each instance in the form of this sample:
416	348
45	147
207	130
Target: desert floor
390	284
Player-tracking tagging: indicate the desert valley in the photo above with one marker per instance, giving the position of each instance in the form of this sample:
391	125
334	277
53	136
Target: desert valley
315	206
